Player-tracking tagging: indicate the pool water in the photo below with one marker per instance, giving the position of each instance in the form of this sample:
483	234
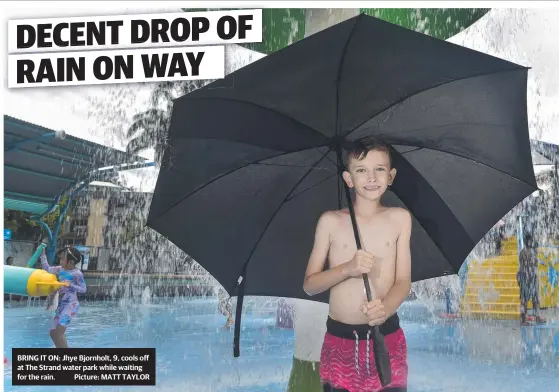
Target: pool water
195	353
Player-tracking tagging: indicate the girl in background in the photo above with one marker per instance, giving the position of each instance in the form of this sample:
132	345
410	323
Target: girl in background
68	304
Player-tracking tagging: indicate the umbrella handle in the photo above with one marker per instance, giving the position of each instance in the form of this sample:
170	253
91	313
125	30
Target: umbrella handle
367	288
357	239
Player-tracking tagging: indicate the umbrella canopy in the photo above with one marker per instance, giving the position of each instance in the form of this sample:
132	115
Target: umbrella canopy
249	166
252	161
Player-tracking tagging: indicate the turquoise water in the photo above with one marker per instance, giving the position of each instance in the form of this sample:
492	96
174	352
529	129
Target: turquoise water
194	352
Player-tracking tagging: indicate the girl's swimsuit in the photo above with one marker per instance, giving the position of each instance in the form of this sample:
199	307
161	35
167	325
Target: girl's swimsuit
68	304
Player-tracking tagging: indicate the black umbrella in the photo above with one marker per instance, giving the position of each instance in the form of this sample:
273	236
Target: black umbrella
253	159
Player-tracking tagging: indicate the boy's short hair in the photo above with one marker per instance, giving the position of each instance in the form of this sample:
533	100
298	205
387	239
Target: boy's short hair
359	148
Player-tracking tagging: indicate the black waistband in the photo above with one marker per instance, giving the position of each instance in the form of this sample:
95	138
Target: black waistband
345	331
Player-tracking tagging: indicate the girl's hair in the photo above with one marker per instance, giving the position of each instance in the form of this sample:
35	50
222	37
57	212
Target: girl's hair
72	254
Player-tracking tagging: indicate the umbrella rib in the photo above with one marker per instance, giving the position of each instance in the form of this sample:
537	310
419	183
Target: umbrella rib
284	165
464	157
337	114
262	107
412	150
198	189
340	186
443	126
311	188
443	201
448	208
279	208
400	101
339	77
331	161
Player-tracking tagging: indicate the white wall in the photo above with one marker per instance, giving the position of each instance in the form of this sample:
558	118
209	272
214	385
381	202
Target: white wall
21	251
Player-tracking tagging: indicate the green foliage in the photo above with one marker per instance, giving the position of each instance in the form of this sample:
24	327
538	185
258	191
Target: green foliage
52	218
284	26
441	23
280	27
20	224
25	229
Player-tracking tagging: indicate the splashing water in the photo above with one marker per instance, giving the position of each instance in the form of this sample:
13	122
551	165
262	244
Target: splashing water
146	296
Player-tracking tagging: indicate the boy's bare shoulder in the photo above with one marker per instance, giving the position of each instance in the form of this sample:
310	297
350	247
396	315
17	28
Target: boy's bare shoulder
332	217
398	212
399	215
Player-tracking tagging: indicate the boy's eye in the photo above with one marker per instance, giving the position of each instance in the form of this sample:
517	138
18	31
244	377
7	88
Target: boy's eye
360	170
380	168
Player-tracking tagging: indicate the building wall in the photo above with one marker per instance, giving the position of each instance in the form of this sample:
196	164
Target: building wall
21	251
96	222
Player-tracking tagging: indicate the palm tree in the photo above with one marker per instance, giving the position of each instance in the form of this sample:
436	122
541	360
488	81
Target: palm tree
149	128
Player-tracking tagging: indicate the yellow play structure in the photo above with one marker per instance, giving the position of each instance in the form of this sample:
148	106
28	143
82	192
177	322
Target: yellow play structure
491	290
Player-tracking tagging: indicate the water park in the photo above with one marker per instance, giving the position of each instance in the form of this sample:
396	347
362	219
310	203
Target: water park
207	264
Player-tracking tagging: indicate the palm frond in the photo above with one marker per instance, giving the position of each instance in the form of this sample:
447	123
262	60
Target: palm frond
134	128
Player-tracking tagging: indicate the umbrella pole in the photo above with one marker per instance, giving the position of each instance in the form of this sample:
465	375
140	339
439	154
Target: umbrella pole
239	313
380	351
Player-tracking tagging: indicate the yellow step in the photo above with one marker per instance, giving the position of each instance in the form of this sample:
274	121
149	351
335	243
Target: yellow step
490	290
493	269
493	297
491	315
496	283
511	238
503	259
490	306
509	252
495	263
512	251
495	276
498	263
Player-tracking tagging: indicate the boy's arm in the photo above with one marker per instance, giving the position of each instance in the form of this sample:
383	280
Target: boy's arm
402	284
316	279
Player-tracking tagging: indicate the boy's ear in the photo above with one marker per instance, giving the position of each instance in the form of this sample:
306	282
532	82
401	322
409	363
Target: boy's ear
347	178
391	176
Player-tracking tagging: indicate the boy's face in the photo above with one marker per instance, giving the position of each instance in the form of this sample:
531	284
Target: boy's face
371	175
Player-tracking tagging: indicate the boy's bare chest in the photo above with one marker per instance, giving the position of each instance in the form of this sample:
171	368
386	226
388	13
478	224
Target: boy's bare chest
378	239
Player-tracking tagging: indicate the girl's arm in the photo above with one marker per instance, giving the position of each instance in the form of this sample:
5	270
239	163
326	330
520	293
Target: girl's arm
78	283
45	264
